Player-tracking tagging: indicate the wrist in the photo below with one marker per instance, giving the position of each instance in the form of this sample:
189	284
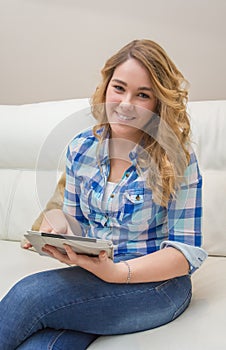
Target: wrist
123	272
129	271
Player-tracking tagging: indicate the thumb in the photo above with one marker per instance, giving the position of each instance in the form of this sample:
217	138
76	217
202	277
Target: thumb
103	255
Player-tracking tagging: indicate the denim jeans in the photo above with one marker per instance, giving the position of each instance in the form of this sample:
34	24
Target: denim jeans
69	308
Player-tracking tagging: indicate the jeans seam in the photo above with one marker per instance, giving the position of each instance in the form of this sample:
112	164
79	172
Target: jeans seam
182	307
53	342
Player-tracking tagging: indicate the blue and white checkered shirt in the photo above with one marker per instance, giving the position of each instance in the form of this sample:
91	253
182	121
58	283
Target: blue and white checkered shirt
130	217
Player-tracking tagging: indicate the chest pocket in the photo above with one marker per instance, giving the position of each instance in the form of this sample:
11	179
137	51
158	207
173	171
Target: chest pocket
133	207
135	198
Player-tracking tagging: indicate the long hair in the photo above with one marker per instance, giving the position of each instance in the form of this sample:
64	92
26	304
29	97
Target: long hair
168	150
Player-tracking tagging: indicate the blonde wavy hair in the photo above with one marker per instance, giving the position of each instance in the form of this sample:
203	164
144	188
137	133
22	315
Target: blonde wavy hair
168	149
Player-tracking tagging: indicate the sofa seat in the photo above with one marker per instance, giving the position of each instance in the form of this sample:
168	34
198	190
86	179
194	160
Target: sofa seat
204	320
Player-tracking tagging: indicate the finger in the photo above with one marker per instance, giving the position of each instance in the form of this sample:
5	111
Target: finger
70	252
103	255
49	249
53	251
48	252
27	245
82	260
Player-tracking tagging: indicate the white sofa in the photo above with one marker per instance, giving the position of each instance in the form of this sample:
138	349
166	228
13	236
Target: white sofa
33	139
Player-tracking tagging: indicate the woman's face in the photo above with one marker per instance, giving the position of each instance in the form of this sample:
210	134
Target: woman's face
130	101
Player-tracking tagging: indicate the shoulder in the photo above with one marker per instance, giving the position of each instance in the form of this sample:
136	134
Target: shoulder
82	150
82	141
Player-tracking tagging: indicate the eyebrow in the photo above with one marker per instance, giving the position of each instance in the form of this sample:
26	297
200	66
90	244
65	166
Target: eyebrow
139	89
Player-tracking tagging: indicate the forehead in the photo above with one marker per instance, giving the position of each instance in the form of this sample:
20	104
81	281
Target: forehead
132	70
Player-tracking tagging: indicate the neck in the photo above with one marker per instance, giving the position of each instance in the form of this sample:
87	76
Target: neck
120	148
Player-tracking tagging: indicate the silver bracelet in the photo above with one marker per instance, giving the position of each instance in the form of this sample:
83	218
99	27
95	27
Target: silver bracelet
129	271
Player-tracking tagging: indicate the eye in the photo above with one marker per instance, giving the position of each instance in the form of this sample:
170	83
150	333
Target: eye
143	95
119	88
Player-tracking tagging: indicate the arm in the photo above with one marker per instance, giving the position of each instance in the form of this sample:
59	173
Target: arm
185	218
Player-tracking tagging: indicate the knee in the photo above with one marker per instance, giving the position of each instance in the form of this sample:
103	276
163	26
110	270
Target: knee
25	292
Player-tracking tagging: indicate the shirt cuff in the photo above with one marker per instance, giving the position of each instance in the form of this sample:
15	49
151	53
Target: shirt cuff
194	255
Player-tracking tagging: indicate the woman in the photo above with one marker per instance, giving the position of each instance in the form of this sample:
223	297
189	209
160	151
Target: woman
133	179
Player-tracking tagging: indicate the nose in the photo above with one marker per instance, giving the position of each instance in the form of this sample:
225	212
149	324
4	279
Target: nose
126	103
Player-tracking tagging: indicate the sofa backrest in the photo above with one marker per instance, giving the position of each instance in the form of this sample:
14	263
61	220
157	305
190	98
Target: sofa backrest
33	141
208	121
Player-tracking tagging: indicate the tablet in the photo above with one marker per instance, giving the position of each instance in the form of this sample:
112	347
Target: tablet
81	245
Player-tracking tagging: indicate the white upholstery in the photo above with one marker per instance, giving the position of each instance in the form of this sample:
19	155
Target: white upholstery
33	141
208	121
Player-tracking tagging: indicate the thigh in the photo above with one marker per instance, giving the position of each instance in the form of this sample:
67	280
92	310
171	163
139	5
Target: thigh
50	339
74	299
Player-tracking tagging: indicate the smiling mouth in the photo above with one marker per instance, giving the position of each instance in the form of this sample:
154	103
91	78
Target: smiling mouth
125	117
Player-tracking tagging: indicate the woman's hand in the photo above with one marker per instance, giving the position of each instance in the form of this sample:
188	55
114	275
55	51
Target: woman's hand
101	266
55	221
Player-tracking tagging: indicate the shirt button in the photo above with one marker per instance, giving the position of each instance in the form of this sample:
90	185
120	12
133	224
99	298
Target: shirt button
138	197
112	195
127	174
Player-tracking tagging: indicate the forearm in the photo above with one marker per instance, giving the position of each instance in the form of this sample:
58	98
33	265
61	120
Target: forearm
162	265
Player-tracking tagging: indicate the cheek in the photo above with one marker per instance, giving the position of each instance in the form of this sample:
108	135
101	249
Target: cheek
112	100
111	96
109	107
153	105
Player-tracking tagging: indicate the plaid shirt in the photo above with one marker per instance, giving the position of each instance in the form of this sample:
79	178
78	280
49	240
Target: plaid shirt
130	218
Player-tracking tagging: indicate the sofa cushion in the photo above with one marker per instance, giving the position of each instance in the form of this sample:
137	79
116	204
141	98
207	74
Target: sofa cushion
22	200
35	137
208	123
25	129
214	209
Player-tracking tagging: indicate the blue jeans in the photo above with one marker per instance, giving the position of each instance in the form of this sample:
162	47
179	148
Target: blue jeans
69	308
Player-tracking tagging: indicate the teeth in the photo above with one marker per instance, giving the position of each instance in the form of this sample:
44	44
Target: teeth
123	117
